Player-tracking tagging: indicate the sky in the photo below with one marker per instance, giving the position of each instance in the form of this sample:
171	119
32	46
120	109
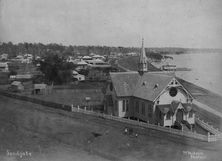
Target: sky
162	23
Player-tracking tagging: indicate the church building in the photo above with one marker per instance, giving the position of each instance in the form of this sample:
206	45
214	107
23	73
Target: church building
153	97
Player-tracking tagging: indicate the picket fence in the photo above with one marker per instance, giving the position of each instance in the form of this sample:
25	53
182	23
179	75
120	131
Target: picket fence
189	134
209	138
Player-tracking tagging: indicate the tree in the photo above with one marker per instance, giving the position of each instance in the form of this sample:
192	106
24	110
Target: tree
56	69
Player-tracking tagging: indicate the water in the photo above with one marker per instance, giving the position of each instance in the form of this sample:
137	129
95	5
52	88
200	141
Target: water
206	69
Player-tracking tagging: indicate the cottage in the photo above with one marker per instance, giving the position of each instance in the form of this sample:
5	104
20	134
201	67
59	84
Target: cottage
4	57
4	67
16	86
81	65
157	98
78	76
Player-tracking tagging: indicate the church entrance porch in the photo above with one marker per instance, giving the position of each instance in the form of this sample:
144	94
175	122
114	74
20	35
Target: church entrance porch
179	115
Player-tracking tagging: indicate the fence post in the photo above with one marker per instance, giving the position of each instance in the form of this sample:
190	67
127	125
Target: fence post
208	137
72	108
78	107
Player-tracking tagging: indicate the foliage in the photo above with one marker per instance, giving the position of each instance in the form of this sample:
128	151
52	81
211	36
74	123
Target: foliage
56	69
155	56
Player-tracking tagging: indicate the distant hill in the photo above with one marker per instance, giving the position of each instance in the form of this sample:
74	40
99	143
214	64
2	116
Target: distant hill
172	50
42	49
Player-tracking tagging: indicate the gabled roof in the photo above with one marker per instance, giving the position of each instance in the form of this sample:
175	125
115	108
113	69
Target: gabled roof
150	85
124	82
147	86
16	83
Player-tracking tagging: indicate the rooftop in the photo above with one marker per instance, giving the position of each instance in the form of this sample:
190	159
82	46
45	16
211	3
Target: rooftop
147	86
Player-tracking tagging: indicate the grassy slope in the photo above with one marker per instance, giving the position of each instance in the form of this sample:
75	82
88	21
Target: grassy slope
203	95
82	145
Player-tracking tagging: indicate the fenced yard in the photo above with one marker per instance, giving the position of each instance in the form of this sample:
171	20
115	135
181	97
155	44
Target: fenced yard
208	138
82	109
73	96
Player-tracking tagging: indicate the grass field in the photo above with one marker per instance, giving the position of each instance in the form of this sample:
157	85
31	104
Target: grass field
82	145
72	94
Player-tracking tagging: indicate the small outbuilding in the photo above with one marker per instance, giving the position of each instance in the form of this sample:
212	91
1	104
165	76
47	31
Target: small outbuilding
40	88
16	86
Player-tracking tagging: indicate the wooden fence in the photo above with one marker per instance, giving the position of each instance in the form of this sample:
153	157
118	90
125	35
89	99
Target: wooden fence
206	126
189	134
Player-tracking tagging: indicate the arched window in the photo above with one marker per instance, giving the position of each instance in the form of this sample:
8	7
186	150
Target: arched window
173	91
168	115
190	114
111	86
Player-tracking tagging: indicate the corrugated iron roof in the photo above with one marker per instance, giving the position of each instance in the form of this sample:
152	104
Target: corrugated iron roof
150	85
147	86
124	82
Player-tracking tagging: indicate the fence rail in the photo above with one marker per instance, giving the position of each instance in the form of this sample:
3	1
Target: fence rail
209	138
188	134
205	125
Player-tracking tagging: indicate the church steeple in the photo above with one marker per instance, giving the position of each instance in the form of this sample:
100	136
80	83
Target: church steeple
142	60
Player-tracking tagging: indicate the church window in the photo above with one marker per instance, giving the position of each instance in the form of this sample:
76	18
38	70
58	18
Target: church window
143	108
160	115
125	105
116	105
137	107
190	114
111	87
150	111
168	116
173	91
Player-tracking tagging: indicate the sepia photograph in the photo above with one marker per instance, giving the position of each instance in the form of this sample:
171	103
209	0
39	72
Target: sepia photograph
110	80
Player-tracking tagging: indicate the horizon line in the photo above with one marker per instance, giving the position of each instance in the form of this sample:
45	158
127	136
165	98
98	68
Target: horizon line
85	45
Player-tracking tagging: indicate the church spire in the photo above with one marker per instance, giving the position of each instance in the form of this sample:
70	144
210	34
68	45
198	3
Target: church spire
142	60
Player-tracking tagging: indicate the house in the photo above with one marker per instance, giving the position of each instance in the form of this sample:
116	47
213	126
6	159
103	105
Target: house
80	64
4	57
86	58
97	63
78	76
16	86
98	57
4	67
157	98
23	76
